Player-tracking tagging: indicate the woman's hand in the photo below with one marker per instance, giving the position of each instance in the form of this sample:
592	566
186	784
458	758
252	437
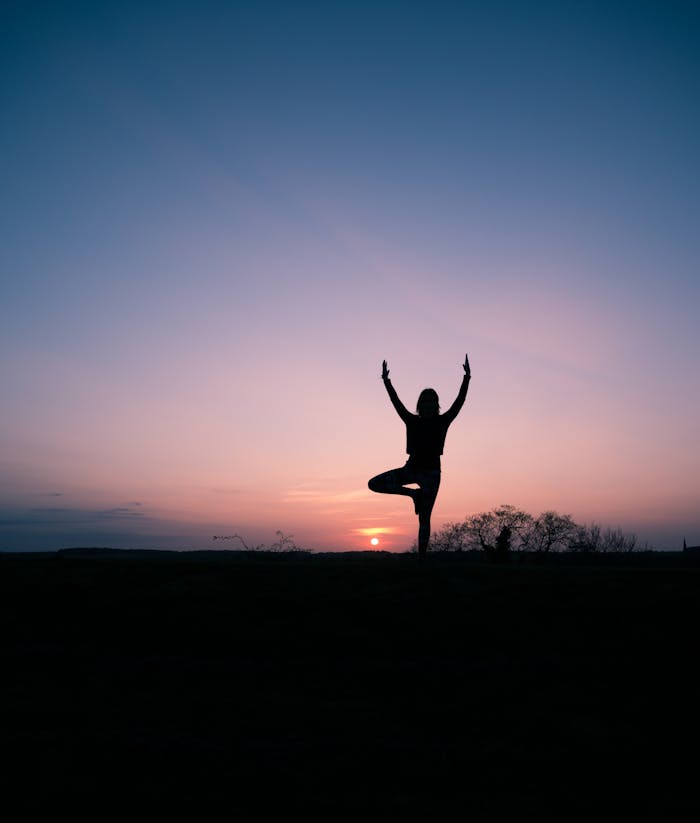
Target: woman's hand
385	371
467	370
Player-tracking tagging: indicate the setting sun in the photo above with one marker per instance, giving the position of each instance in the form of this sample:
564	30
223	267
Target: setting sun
374	541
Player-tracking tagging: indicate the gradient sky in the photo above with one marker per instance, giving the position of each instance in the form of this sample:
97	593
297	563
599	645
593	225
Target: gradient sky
216	220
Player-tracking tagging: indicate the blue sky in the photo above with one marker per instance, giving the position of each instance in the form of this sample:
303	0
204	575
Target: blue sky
218	218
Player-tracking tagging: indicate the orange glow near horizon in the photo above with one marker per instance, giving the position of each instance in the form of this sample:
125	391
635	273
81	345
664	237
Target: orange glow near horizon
375	531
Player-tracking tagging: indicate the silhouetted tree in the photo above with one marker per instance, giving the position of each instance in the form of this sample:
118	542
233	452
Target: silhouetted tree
614	540
593	539
552	531
483	529
452	537
518	522
587	539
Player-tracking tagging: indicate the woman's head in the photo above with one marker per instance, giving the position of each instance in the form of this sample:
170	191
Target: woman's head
428	403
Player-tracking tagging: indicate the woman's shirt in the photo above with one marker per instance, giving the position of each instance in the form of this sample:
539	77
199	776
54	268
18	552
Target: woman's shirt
425	436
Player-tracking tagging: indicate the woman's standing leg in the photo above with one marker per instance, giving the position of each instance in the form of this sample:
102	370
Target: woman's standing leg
429	486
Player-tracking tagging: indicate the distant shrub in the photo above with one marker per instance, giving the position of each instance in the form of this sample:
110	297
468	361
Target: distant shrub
593	539
284	543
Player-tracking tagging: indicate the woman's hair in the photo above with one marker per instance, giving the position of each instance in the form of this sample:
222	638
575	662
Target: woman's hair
425	397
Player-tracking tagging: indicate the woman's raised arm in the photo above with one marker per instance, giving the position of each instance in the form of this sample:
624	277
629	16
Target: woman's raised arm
401	410
454	409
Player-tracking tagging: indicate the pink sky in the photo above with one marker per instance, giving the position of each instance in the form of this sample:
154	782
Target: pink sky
218	224
220	433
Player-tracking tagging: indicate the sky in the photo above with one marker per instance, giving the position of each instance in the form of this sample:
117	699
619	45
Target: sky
217	219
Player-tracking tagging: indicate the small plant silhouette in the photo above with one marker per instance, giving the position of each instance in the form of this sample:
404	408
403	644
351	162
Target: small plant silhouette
284	543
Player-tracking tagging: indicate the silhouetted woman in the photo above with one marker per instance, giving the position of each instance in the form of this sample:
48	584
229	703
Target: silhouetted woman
425	440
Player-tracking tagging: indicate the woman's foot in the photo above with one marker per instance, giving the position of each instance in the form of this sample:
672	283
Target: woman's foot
417	500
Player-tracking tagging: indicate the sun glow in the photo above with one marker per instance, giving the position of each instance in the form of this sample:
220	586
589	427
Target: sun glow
376	531
376	535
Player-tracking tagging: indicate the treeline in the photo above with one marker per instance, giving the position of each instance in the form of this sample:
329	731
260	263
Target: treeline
506	528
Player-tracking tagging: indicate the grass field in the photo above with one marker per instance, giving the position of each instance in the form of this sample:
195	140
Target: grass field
364	684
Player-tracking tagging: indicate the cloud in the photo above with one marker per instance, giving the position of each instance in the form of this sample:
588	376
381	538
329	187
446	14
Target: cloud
51	527
38	516
312	495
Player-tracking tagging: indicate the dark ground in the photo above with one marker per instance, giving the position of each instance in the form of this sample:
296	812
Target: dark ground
360	684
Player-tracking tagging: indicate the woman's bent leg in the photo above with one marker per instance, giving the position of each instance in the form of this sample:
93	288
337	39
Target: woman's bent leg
392	482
